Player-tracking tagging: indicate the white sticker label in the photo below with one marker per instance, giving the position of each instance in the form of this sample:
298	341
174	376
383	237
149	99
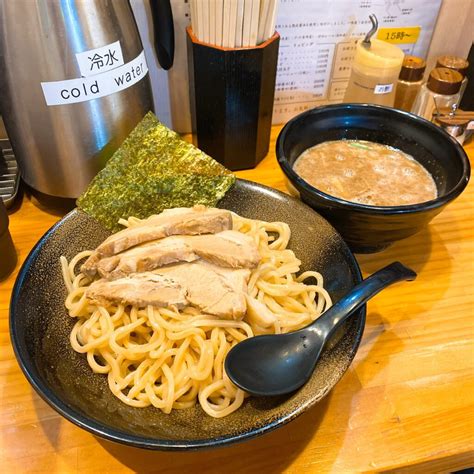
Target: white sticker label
96	61
94	87
383	88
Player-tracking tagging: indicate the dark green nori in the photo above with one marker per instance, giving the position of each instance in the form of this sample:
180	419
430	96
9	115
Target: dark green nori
154	169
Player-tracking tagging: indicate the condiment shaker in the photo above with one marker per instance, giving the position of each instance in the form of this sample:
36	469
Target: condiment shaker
409	82
7	250
456	64
374	74
441	90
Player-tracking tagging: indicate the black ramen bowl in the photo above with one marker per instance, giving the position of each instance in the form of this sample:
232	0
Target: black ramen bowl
40	327
372	228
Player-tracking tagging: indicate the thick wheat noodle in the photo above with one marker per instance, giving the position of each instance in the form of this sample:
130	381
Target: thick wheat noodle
173	359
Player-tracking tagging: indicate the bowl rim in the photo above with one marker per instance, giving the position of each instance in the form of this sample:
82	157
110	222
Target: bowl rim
304	186
97	428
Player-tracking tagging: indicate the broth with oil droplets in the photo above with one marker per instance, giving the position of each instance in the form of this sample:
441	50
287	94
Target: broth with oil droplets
366	173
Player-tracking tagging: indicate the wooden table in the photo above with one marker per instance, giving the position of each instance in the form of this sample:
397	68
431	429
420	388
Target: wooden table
405	404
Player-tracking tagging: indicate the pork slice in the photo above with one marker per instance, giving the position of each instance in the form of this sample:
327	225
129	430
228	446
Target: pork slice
214	290
236	278
146	257
141	289
180	221
229	248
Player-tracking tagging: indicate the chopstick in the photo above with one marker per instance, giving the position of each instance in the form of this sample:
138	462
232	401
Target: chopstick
192	11
212	21
226	24
264	8
218	21
254	22
205	19
199	23
271	19
239	24
233	23
246	23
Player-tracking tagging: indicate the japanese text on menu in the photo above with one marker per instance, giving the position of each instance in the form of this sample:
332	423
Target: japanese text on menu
318	45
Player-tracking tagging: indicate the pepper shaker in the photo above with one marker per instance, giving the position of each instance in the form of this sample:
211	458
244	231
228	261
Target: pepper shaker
409	82
441	90
456	64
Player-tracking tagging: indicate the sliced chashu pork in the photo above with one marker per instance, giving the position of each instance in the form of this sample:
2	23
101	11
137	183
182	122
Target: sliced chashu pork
230	249
141	289
179	221
212	289
146	257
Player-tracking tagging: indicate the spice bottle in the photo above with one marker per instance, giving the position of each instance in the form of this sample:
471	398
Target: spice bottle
409	82
456	64
441	90
374	73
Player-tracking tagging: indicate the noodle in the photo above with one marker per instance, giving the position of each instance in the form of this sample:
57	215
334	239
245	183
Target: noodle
171	359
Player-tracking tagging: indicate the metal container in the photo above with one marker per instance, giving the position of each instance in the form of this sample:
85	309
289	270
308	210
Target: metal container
61	146
8	257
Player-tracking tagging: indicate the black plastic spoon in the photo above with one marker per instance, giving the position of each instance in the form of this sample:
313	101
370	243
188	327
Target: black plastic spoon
280	363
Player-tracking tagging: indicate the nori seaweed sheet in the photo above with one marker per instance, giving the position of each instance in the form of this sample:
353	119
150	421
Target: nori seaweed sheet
154	169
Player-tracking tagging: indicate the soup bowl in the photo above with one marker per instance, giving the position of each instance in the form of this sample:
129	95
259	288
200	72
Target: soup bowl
368	228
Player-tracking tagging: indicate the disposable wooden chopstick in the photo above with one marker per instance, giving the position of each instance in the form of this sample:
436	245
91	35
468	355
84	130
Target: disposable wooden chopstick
248	5
239	24
212	21
204	4
219	21
192	14
194	19
271	19
232	23
199	20
262	20
226	24
254	22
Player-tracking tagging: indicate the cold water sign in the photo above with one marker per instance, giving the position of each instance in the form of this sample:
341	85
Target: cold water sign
95	86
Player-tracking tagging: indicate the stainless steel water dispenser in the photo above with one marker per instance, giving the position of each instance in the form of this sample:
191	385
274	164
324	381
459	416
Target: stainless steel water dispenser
73	84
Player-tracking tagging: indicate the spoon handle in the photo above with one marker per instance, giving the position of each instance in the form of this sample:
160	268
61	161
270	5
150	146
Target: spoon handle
338	313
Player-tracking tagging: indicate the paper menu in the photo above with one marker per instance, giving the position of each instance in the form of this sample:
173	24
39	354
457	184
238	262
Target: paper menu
318	44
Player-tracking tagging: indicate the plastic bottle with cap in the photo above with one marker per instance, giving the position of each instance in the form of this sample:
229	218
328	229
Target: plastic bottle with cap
456	64
374	74
441	90
409	82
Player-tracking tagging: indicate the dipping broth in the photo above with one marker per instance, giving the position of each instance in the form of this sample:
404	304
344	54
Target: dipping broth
366	173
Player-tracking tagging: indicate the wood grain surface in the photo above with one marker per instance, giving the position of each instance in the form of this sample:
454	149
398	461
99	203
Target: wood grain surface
405	405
